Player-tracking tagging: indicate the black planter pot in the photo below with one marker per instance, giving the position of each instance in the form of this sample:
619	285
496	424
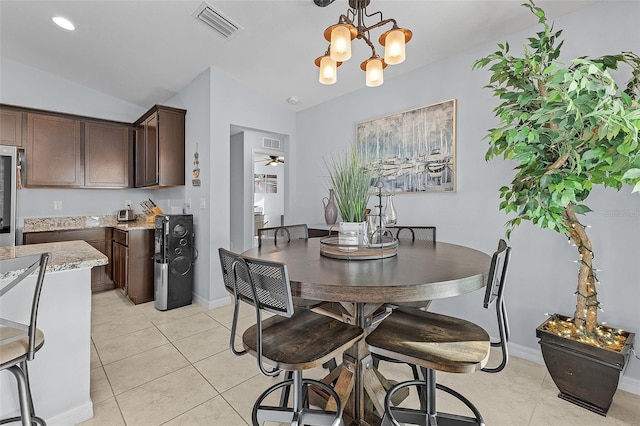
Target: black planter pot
586	375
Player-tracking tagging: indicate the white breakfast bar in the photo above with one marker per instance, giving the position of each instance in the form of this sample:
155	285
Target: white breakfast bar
60	372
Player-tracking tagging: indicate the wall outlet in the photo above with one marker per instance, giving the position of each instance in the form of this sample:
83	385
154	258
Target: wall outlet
187	203
203	203
57	205
127	204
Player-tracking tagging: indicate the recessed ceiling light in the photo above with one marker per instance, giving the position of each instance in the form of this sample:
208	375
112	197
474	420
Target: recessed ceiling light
63	23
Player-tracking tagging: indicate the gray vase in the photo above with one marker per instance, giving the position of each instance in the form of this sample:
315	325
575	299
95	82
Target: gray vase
330	208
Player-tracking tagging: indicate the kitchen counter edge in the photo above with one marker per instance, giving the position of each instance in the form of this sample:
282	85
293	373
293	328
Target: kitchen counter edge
65	255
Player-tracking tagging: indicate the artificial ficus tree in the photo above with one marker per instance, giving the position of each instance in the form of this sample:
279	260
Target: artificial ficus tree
569	127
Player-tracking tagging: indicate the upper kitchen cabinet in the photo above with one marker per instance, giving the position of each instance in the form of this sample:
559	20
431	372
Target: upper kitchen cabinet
53	151
11	126
107	155
67	151
160	147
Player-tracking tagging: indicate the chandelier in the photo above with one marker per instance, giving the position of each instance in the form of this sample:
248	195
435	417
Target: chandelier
351	26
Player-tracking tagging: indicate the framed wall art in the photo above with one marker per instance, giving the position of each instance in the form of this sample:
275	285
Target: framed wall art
264	183
412	151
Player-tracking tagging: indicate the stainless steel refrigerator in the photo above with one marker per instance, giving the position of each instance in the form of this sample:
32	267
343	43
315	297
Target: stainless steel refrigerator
8	195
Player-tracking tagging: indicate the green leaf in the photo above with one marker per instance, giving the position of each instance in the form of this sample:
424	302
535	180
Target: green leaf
581	209
624	150
631	174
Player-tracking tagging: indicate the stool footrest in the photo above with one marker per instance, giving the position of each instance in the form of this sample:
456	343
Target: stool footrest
304	415
428	417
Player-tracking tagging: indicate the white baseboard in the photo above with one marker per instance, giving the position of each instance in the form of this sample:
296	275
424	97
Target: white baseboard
627	384
212	304
73	416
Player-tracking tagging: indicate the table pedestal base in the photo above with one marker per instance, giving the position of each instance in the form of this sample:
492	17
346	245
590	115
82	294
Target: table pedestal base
361	387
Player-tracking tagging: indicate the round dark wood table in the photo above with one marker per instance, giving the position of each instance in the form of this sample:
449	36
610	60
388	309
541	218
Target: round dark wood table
420	272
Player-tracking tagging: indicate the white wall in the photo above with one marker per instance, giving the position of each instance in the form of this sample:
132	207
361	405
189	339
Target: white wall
542	277
235	105
196	99
29	87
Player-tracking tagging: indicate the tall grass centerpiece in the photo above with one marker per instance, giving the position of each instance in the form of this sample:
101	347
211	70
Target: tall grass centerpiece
351	182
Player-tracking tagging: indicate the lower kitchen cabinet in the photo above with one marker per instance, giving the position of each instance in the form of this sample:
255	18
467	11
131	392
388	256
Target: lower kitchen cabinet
133	263
100	238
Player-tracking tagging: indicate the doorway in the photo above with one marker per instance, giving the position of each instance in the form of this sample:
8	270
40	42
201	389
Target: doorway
268	190
252	154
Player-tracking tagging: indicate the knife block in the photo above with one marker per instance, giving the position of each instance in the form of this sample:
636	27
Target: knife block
151	218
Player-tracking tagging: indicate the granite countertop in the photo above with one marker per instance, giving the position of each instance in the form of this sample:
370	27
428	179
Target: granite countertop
68	223
65	256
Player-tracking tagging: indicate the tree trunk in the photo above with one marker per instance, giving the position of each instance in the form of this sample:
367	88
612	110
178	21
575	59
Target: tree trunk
586	315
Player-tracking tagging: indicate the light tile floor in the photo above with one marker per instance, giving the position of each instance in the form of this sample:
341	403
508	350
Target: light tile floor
174	368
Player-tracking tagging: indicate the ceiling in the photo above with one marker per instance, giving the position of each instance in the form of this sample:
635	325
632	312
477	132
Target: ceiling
144	52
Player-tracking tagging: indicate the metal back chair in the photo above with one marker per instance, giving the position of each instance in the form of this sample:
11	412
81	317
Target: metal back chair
412	233
494	295
283	234
238	287
435	342
19	342
424	233
292	341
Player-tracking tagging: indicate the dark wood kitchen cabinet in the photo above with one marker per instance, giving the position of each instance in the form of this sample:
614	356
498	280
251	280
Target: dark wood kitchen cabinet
69	151
107	155
11	124
53	155
160	148
99	238
133	263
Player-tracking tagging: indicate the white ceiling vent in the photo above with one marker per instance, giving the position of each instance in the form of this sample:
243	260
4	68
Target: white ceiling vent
216	20
271	143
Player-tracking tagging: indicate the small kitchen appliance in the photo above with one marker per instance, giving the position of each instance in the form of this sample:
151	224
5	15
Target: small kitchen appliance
173	261
126	215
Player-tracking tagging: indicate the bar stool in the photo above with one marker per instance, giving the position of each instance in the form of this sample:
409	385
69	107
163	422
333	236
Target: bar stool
284	234
436	342
290	341
424	233
19	342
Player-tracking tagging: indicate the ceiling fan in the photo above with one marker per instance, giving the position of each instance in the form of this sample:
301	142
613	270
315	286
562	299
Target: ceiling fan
274	160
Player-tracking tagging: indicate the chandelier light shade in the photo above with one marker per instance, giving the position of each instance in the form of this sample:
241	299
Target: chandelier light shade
394	43
328	69
340	39
351	26
373	68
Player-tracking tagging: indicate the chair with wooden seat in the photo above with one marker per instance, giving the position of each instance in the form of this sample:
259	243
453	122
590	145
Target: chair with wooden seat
436	342
19	342
240	290
423	233
284	233
290	340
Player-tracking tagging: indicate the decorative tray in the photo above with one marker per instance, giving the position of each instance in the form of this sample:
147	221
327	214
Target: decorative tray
335	248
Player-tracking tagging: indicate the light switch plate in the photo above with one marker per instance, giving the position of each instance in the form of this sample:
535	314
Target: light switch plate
203	203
